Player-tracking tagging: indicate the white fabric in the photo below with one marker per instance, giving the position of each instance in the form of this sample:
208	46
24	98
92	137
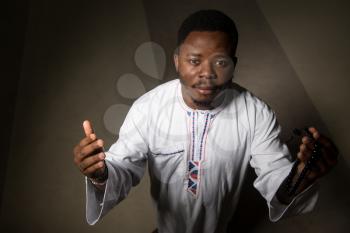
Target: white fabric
159	130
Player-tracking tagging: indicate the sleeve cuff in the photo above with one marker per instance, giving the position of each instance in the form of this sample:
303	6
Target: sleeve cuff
95	200
303	203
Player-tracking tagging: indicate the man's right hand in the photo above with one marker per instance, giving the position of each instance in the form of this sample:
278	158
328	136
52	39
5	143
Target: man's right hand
89	155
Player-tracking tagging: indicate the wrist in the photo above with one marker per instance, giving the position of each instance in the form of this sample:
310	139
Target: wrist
100	179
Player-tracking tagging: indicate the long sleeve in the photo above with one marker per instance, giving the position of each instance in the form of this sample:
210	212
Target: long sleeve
272	163
126	162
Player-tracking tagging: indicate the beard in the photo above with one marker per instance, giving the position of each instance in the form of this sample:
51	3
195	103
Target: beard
200	101
214	100
203	103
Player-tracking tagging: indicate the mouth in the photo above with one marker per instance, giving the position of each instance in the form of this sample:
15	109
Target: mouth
206	90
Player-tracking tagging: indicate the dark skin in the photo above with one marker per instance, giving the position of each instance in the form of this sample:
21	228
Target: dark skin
204	61
205	65
329	154
88	154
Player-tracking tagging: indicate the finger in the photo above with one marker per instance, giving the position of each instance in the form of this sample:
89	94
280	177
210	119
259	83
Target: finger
91	160
329	149
319	168
304	153
94	168
87	140
96	146
315	133
77	151
302	157
307	142
87	128
84	142
320	138
325	142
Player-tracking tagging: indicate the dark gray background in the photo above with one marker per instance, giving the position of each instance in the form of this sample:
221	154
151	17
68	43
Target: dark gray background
62	59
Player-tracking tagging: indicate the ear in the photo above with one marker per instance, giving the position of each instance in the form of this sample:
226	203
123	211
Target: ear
176	61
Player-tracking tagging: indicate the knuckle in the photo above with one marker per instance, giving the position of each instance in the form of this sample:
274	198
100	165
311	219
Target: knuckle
299	155
97	158
94	145
99	165
303	156
87	172
98	143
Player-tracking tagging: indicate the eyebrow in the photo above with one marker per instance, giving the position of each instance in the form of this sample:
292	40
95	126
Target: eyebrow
193	54
200	55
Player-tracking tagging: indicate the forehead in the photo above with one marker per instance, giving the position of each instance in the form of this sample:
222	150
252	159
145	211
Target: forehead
206	42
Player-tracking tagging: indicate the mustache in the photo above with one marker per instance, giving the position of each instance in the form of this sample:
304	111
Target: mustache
210	86
207	85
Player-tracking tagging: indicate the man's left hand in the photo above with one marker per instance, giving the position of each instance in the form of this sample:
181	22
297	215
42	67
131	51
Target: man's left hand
327	159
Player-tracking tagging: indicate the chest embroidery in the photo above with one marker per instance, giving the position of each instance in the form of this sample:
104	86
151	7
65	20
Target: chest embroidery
199	126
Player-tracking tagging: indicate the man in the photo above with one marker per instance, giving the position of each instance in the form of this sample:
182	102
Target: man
198	134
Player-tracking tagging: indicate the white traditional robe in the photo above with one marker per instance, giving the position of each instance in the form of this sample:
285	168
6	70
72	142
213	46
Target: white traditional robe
197	160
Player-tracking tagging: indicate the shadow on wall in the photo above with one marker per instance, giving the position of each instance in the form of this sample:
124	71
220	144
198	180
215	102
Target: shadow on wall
263	68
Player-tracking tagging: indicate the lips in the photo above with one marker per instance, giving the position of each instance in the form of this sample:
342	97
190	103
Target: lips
206	90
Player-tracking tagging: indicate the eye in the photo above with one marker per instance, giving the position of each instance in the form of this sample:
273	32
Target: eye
221	63
194	61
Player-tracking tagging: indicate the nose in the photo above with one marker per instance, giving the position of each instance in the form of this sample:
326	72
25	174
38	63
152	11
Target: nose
207	70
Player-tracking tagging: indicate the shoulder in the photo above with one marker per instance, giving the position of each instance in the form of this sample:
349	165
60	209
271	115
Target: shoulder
156	97
251	111
242	97
148	106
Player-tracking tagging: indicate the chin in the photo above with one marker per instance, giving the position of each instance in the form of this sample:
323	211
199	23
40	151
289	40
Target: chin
203	101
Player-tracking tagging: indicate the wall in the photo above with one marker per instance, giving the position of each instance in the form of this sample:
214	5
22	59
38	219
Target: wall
88	60
74	54
315	37
13	27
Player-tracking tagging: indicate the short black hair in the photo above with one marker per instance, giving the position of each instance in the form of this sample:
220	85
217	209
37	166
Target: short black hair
208	20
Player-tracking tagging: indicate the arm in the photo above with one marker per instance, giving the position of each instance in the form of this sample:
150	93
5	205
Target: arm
126	161
110	177
272	163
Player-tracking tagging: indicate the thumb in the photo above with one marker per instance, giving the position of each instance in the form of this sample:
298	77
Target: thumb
87	128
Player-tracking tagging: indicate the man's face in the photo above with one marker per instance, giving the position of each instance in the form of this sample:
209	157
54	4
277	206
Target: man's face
204	66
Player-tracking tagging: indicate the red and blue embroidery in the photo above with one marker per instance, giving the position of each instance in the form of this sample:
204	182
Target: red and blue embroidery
196	153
